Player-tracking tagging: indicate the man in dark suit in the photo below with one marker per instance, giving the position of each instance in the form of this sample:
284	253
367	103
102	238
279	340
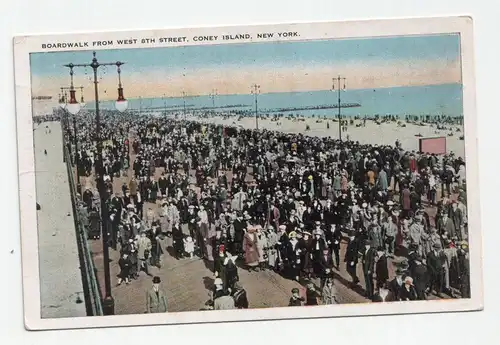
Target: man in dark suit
421	278
435	261
381	268
326	263
335	245
369	255
396	284
351	257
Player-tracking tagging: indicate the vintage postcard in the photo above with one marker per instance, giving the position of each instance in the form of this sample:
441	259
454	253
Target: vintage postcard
246	173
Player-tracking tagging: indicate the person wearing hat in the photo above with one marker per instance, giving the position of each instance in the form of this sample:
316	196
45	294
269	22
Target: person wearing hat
191	218
369	255
405	201
445	225
435	265
239	226
419	273
88	196
463	266
375	234
381	268
272	244
324	266
384	294
219	262
240	296
217	290
351	257
251	250
224	301
293	253
329	292
458	220
312	296
262	246
318	229
132	188
125	267
202	232
317	245
296	300
333	239
407	291
143	253
162	185
156	299
396	284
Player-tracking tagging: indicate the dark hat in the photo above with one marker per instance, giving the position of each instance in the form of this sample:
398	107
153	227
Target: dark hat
437	245
399	271
295	290
156	280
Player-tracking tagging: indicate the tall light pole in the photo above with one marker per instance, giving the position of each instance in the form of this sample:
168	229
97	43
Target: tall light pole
184	103
73	107
164	105
212	96
337	81
121	105
256	92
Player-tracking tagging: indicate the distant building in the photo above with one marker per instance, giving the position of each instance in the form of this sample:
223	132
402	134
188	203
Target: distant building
43	105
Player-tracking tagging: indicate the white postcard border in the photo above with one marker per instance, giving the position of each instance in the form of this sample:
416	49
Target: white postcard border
24	45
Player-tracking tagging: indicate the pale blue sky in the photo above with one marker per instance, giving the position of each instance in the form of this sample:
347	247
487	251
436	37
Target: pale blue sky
276	66
282	54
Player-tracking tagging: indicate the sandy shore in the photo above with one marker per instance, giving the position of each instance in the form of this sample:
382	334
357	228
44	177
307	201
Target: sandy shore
384	134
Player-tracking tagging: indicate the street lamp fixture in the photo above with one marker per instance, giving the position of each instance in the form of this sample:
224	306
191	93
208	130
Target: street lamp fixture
73	106
82	101
62	100
121	103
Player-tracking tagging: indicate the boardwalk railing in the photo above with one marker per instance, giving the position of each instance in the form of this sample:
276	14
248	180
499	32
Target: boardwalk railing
87	267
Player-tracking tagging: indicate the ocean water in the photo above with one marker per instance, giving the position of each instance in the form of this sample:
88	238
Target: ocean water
417	100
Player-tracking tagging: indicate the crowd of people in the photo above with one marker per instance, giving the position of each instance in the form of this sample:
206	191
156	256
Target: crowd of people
290	203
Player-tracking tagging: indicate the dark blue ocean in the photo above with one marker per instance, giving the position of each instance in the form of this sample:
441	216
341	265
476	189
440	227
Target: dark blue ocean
417	100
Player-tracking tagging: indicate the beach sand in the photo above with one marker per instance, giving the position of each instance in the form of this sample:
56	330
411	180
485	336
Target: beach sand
384	134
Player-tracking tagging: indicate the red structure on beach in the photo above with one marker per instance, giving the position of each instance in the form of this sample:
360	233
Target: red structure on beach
436	145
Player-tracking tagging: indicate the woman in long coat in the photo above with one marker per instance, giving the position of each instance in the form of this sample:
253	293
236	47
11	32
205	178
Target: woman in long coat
261	246
375	234
178	241
251	249
329	293
272	248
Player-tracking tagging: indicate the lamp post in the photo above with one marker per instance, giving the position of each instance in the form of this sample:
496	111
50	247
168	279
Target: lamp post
164	105
184	104
256	92
339	88
64	124
73	107
121	105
